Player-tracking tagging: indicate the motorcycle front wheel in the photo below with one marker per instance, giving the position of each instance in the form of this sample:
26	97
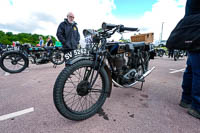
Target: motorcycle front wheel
72	94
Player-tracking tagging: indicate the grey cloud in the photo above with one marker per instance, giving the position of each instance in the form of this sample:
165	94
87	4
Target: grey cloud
21	27
39	16
31	25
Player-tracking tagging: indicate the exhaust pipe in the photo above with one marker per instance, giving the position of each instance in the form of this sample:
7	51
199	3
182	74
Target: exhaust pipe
127	86
148	72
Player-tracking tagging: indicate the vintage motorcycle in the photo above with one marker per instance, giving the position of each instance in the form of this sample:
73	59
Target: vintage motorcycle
17	60
84	84
178	54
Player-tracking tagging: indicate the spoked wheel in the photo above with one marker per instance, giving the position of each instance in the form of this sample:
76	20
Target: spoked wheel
13	62
57	57
73	95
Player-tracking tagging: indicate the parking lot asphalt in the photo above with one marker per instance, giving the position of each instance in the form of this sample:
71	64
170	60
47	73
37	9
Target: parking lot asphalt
154	109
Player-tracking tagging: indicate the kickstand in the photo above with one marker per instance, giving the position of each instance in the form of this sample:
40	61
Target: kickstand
54	66
142	84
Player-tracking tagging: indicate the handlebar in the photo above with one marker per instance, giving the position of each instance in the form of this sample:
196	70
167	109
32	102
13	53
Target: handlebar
121	27
108	26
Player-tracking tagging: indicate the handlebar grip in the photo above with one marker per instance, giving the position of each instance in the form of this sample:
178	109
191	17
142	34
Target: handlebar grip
128	29
108	26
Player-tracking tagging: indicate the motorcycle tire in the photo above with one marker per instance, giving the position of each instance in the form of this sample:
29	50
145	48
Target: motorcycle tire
57	57
79	94
13	59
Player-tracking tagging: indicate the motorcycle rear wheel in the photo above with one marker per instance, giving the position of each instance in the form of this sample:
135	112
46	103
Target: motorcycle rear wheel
13	62
57	57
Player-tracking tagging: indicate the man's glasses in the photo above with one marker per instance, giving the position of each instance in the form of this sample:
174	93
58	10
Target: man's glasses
71	16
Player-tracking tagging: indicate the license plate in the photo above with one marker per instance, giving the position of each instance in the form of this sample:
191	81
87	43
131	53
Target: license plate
76	53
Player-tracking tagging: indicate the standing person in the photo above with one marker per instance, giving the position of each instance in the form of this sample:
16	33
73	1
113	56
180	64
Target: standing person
41	42
170	53
68	33
191	78
49	41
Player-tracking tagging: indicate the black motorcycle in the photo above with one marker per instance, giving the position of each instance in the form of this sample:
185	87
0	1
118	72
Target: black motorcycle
17	60
84	84
160	52
178	54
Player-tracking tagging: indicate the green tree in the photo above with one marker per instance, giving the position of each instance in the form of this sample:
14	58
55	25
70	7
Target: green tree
9	37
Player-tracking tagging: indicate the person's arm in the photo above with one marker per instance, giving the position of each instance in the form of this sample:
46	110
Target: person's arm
61	33
78	35
51	43
42	43
192	7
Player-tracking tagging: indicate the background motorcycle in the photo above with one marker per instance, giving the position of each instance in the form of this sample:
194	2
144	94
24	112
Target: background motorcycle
15	61
178	54
82	87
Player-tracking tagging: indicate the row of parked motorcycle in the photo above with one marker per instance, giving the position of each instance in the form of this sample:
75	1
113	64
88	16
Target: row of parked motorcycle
175	53
15	59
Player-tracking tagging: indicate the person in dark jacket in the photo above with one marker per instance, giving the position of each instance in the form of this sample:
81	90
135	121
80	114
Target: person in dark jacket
49	41
191	78
68	33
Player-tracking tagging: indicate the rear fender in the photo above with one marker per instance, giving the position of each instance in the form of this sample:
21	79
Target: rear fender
19	53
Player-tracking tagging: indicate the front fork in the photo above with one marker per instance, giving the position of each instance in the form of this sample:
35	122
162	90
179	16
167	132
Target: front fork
96	66
98	63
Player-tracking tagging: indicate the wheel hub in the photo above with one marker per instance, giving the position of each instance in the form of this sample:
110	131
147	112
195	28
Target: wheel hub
83	88
14	62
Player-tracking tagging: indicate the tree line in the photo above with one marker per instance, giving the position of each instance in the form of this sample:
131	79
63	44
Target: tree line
7	38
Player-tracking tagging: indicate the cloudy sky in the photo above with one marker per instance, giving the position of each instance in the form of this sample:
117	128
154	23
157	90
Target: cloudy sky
44	16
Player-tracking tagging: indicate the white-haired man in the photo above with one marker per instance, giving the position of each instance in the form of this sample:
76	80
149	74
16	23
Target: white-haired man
68	33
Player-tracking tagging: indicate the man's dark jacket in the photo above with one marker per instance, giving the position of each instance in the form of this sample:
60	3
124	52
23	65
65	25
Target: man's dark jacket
186	33
68	35
192	7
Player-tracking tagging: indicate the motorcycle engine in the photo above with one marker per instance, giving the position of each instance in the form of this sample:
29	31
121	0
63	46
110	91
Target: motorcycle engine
125	68
118	62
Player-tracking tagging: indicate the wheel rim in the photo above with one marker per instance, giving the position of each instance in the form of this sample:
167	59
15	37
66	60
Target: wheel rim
58	58
78	96
13	62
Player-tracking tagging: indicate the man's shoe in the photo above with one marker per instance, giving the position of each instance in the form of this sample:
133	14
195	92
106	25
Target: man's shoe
194	113
184	104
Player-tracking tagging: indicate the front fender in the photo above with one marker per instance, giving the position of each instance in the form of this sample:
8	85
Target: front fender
110	78
74	60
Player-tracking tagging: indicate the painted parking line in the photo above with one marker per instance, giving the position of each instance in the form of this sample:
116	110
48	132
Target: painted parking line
15	114
175	71
6	74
